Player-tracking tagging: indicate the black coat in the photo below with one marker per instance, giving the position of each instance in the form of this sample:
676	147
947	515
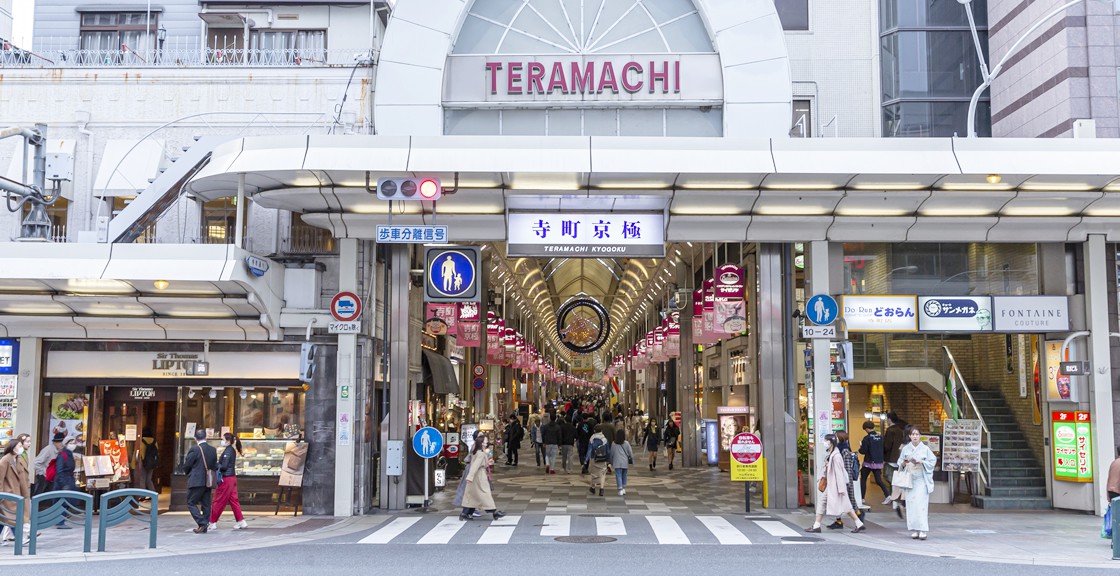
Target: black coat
567	433
64	471
196	469
515	433
227	464
550	434
872	448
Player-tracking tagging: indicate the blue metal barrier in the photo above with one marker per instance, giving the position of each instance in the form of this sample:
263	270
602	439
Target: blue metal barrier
13	518
128	507
65	509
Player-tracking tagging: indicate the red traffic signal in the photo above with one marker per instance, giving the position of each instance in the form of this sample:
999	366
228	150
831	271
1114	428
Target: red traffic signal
409	189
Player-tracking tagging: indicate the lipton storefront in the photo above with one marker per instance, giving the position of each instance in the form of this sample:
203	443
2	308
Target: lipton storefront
101	392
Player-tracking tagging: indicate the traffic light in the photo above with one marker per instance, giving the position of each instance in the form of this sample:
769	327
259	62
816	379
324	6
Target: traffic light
409	189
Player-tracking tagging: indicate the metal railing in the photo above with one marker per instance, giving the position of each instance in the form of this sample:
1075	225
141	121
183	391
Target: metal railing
307	240
127	507
66	54
13	519
68	507
971	411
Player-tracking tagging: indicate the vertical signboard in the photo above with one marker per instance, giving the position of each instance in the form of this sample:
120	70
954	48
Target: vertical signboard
1072	446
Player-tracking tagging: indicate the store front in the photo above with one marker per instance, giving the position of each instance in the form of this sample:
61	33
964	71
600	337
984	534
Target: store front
114	397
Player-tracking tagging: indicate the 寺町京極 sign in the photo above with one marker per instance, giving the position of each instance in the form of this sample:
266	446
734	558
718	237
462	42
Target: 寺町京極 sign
536	234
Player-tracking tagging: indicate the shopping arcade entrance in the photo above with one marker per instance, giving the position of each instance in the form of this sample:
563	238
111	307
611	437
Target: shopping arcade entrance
784	191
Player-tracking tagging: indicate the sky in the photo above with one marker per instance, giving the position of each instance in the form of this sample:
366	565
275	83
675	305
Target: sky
22	13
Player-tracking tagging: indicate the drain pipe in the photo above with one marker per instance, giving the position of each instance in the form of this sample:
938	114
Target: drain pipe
83	129
239	221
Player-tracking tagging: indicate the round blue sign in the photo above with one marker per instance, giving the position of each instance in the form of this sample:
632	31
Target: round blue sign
822	309
451	273
479	383
427	442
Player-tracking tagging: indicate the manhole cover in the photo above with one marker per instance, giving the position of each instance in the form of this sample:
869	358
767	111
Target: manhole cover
597	515
801	539
585	539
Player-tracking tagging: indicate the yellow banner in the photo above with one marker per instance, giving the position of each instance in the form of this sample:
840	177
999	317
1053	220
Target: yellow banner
747	472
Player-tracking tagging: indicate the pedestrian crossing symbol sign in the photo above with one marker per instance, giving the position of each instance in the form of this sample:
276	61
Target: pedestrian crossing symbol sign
452	274
428	442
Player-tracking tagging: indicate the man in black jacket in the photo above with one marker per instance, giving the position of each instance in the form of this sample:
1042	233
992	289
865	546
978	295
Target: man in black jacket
584	430
515	432
567	443
872	450
201	462
550	437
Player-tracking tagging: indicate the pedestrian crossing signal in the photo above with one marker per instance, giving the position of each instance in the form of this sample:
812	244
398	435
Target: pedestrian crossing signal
404	189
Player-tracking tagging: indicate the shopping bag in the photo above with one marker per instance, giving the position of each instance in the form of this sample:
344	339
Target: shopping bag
1106	528
902	479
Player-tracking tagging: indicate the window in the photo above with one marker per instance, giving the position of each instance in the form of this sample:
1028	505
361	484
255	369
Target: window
113	37
794	14
802	125
934	119
307	239
288	46
218	220
705	121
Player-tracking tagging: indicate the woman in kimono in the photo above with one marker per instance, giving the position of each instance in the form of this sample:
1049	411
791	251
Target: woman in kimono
833	500
917	459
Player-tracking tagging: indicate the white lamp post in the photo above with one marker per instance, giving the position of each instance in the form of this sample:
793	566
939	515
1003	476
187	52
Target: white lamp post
991	75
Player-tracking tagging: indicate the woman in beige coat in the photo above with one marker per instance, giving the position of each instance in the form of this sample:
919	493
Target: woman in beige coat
477	494
833	500
14	480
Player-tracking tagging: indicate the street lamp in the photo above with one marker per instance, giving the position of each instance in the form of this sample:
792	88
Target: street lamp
989	76
161	36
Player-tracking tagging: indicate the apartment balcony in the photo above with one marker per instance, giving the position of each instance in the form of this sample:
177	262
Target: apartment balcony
179	54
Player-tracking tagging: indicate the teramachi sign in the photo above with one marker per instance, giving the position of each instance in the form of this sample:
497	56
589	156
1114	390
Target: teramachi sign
634	77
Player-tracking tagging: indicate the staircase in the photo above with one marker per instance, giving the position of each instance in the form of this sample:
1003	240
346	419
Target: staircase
1016	480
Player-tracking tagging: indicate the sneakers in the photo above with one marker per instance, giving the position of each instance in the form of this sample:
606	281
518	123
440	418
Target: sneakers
921	535
914	535
465	518
241	525
476	514
838	524
212	526
886	500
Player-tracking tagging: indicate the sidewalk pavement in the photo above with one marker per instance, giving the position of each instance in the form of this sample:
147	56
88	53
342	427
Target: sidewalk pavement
1048	538
175	537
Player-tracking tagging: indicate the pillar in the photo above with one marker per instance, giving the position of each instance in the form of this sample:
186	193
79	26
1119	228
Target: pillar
320	483
1100	382
778	428
28	381
345	384
686	378
393	489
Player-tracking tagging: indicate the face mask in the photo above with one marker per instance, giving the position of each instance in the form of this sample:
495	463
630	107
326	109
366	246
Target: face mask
224	443
71	446
19	450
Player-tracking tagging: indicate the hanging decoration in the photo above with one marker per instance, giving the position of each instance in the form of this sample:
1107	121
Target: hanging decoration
583	325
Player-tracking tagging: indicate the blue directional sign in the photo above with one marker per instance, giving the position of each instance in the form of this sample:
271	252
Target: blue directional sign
427	442
452	274
822	310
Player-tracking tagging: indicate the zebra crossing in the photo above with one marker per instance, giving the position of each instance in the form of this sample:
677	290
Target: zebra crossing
725	530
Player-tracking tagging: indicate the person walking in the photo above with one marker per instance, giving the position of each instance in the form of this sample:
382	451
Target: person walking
567	443
608	426
515	433
550	435
1112	486
918	460
832	485
598	458
64	466
622	456
14	479
672	432
873	460
851	466
652	442
45	461
147	460
226	493
535	439
893	440
200	464
584	430
477	494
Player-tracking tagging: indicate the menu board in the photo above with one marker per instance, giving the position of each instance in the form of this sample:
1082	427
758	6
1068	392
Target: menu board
116	452
68	416
7	407
1072	446
960	446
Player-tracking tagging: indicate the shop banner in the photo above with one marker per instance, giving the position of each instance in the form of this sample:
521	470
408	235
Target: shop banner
1031	313
659	354
470	334
1072	443
711	333
880	313
673	336
730	299
955	313
441	319
607	235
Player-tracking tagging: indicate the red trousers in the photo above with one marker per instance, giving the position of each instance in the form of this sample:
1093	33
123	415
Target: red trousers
226	493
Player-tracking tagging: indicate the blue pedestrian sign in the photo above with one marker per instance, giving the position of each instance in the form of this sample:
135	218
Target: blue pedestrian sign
822	310
428	442
452	274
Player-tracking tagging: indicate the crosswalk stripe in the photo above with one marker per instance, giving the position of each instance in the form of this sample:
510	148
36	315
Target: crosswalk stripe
443	532
557	526
667	530
390	531
612	526
723	530
775	528
500	531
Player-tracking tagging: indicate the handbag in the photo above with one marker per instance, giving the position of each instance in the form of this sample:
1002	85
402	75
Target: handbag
822	484
1106	528
212	477
902	479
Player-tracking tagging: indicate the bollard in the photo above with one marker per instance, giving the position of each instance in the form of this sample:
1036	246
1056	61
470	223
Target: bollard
1115	505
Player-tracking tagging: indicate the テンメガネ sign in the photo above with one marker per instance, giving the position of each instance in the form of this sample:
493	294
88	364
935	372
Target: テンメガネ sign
534	234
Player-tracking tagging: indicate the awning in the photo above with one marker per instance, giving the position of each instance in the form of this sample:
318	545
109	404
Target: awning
125	170
439	373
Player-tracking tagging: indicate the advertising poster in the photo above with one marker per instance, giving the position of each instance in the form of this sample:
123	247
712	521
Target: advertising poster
1072	446
68	416
730	299
1037	388
117	453
7	407
962	445
470	328
711	333
1057	385
441	319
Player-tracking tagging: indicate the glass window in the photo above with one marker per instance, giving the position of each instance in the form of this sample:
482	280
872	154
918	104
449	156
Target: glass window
929	13
638	122
467	122
802	124
794	14
117	37
940	269
934	119
523	122
923	64
703	122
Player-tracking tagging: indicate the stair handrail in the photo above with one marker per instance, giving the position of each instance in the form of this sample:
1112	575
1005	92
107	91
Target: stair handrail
986	439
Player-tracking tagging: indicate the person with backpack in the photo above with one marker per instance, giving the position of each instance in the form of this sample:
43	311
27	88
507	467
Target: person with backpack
598	458
226	492
146	461
45	470
672	432
584	431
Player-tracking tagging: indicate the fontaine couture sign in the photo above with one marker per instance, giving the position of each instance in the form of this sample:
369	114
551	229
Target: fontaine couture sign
536	234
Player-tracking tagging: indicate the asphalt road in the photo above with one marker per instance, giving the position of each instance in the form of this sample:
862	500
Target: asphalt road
342	556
